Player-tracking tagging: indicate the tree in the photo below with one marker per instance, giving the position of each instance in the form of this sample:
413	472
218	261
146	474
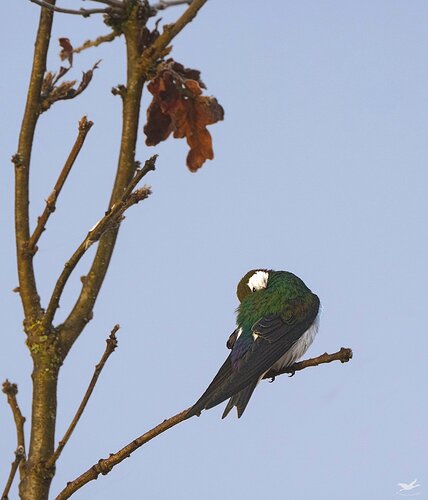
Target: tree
179	108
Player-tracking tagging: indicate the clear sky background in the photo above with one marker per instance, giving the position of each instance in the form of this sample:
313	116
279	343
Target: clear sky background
320	169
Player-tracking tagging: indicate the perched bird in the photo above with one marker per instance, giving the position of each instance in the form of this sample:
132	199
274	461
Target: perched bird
277	320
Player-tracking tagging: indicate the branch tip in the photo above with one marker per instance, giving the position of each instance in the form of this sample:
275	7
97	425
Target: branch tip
343	355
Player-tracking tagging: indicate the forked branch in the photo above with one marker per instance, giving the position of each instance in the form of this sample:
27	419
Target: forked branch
111	344
105	465
84	127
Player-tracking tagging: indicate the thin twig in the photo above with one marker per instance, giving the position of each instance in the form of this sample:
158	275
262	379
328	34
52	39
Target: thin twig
344	355
111	344
80	12
11	391
84	127
159	46
19	457
105	465
98	41
111	219
164	4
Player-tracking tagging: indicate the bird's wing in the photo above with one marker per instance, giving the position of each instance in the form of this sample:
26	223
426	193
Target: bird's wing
272	337
232	339
252	356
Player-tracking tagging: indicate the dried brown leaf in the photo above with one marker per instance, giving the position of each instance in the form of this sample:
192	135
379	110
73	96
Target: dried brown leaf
66	50
179	107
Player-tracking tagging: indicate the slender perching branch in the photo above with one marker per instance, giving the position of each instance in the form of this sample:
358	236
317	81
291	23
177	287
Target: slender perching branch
11	390
344	355
111	344
105	465
84	127
111	219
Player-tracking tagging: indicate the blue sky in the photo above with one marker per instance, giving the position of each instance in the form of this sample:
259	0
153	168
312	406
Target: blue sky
321	169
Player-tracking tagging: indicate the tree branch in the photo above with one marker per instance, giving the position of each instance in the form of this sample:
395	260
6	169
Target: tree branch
111	220
84	127
22	159
105	465
159	46
110	347
11	390
80	12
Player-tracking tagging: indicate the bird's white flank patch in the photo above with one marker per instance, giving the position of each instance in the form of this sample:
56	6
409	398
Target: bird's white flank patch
258	281
239	333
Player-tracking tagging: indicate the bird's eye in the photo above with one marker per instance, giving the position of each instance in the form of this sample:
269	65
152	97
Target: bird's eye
254	288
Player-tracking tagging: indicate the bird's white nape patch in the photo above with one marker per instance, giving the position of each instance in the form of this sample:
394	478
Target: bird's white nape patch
258	281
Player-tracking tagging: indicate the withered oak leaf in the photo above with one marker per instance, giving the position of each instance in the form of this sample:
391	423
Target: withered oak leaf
178	107
66	50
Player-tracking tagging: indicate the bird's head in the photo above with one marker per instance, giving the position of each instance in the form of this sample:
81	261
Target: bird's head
254	280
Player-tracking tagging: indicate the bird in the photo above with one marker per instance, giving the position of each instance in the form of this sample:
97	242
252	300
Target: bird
277	320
